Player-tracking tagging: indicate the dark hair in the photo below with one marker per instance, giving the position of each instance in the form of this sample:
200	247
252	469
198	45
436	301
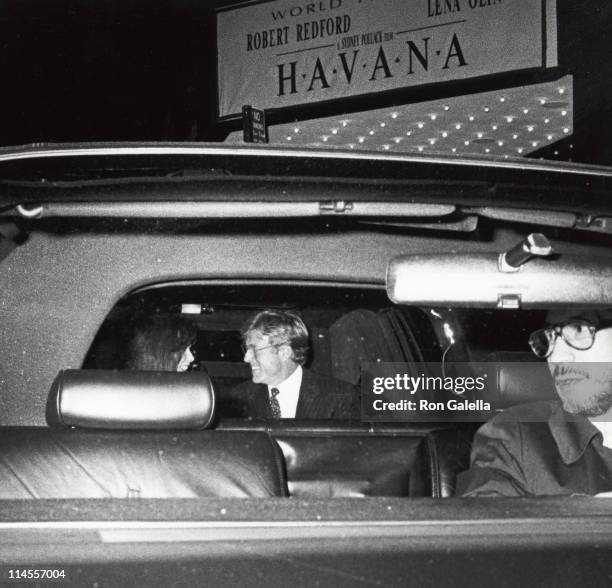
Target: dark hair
159	342
281	326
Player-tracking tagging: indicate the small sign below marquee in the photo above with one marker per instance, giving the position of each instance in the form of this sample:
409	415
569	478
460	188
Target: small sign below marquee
254	129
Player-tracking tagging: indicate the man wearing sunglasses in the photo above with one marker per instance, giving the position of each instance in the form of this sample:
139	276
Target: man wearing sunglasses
275	345
554	447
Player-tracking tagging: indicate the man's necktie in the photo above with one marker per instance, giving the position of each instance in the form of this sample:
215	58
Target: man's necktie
274	405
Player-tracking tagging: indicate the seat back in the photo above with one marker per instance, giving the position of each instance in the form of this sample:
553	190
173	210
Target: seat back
333	458
39	462
519	379
131	435
109	399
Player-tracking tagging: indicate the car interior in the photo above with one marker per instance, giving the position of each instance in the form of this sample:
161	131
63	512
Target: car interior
110	464
98	422
118	433
420	182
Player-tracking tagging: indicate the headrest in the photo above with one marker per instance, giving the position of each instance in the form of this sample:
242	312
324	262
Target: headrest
520	379
102	399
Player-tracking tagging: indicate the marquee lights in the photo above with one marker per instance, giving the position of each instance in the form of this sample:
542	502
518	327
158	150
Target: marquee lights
485	123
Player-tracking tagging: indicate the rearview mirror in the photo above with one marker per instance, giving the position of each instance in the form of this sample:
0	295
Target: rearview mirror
476	280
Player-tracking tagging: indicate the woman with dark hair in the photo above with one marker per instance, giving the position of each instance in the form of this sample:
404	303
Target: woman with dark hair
162	343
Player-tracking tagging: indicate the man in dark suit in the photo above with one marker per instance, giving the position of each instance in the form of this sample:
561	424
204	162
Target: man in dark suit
276	346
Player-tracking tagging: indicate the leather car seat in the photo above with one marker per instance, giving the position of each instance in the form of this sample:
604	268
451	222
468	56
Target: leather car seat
136	435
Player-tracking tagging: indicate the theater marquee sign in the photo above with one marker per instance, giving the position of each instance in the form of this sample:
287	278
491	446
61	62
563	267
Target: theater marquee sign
284	53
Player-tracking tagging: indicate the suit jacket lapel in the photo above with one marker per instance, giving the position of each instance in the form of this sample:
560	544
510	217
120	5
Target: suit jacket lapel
261	404
309	398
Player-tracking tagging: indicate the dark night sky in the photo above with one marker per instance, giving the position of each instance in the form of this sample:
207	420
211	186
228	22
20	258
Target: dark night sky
117	70
146	70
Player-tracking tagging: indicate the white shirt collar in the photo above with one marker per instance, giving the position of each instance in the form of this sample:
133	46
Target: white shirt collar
605	427
289	393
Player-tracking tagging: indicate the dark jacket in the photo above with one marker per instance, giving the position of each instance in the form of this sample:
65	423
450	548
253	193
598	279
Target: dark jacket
537	449
321	397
